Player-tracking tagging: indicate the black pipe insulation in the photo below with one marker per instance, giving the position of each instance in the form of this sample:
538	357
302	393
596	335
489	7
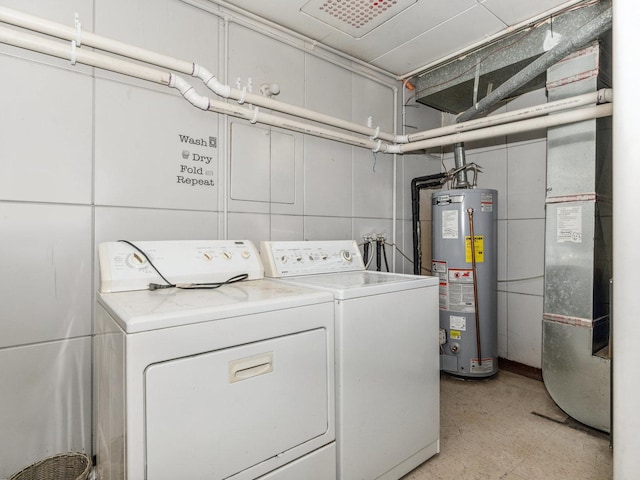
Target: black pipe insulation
365	251
384	255
417	184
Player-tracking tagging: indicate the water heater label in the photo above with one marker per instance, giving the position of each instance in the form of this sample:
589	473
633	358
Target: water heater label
450	224
461	297
486	202
485	367
439	269
478	241
457	322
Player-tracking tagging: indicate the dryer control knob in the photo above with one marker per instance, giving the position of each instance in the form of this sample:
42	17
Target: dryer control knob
227	255
246	254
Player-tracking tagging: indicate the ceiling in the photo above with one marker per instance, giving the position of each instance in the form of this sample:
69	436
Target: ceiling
398	36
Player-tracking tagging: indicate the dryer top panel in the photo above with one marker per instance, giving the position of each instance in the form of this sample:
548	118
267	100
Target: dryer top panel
347	285
144	310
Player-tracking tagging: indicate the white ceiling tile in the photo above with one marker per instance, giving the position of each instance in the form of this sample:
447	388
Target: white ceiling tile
423	33
512	12
470	27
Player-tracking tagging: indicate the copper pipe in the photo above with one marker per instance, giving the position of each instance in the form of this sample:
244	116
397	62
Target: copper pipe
475	283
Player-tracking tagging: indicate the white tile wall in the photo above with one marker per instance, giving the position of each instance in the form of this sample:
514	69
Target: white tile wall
286	227
404	245
372	184
116	223
327	228
256	57
503	324
249	226
142	155
410	167
176	29
327	168
327	88
526	256
45	141
46	284
524	337
45	407
371	100
526	180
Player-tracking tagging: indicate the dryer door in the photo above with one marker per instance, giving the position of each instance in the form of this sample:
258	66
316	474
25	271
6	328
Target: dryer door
213	415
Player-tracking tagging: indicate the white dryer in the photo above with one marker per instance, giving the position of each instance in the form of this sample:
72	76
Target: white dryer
235	382
387	356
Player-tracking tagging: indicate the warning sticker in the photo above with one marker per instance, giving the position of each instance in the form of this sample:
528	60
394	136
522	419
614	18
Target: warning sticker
457	322
478	243
439	269
450	224
485	367
486	202
569	224
461	297
455	334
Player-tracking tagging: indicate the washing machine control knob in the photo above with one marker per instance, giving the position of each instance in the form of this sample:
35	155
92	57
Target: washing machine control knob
227	255
346	256
246	254
283	259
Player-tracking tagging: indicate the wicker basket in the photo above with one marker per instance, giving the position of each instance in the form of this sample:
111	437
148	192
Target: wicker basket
66	466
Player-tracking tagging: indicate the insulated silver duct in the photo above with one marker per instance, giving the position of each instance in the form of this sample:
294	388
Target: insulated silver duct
575	362
585	34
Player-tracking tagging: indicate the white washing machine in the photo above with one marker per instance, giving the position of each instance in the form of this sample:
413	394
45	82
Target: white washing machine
387	356
235	382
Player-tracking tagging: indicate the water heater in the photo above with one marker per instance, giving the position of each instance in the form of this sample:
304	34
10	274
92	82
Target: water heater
464	253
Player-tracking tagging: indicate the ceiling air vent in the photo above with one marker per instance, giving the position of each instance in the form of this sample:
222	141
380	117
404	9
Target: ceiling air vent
355	17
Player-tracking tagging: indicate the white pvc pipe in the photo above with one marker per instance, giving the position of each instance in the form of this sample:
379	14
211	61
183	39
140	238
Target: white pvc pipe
626	232
65	32
86	57
69	52
83	37
508	129
601	96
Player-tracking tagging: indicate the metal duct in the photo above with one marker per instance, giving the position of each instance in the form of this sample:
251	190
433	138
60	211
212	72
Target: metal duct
575	366
582	36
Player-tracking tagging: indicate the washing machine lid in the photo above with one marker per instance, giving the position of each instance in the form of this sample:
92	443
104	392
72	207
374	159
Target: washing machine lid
347	285
144	310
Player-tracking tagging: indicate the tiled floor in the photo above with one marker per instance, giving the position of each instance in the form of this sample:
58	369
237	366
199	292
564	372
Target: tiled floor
508	428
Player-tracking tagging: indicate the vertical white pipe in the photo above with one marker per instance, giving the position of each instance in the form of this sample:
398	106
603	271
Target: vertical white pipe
626	232
224	160
394	233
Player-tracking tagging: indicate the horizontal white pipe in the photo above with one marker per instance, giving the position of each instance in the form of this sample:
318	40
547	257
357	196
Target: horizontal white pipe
601	96
86	57
54	29
247	97
61	50
49	47
562	118
65	32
